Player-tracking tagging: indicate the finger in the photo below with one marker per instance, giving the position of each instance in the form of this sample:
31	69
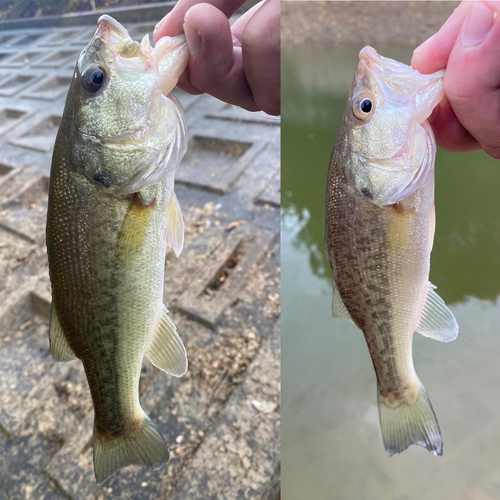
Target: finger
185	84
240	24
171	24
261	56
215	66
449	132
433	54
472	78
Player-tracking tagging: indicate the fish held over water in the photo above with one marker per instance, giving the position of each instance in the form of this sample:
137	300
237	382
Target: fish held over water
112	215
379	234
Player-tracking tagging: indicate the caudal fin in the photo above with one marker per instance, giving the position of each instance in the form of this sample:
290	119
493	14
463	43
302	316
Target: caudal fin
409	423
144	446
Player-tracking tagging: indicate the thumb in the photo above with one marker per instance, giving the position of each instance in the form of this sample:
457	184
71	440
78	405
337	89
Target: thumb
473	75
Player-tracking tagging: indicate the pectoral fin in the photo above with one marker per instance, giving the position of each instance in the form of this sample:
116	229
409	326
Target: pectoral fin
339	310
167	352
59	347
436	320
175	226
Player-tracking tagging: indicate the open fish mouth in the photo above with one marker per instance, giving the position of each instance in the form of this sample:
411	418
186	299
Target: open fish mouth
111	31
399	75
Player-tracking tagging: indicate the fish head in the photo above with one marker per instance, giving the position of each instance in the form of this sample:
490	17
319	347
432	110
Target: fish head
129	131
391	145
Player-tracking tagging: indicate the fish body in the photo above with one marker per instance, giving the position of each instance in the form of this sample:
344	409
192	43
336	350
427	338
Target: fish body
112	214
380	221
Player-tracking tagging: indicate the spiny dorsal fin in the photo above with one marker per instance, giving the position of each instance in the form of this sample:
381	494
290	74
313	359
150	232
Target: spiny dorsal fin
59	347
167	352
339	310
437	321
175	226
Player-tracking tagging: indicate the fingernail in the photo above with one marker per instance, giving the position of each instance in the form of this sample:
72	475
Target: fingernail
421	48
477	25
423	45
193	37
160	24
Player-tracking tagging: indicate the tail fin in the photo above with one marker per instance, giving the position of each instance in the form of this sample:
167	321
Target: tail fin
144	446
410	423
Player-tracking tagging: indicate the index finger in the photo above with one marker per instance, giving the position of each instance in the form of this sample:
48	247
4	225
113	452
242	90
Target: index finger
171	24
433	54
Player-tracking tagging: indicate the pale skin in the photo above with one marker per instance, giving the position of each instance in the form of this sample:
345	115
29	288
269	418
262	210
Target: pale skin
238	64
467	118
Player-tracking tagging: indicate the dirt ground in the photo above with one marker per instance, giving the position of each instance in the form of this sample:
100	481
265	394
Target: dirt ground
410	23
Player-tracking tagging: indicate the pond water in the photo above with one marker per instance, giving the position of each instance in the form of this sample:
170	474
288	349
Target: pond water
331	441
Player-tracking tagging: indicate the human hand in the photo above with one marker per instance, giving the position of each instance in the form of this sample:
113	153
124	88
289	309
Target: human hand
238	64
467	45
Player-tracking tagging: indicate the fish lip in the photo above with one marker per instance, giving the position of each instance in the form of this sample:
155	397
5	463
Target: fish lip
385	68
107	27
371	60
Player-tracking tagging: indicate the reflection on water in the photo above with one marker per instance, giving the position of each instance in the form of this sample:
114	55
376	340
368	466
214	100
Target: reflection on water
331	443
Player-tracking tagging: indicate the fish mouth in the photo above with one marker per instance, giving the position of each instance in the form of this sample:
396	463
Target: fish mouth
426	91
109	38
111	31
373	61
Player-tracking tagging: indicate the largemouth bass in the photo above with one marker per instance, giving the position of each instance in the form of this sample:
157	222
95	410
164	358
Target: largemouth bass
112	214
379	233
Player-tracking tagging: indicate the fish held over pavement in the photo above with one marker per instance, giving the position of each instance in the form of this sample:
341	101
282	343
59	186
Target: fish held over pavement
379	231
112	215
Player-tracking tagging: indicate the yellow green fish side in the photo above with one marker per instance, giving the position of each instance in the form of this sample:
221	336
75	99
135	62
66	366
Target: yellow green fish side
107	274
106	250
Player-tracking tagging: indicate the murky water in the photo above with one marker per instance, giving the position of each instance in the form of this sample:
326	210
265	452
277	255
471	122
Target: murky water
331	442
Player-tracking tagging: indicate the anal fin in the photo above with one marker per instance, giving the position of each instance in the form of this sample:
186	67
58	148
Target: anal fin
59	347
436	320
167	352
339	310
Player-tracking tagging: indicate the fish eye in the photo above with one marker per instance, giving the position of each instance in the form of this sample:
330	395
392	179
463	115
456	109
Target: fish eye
94	78
362	107
366	106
